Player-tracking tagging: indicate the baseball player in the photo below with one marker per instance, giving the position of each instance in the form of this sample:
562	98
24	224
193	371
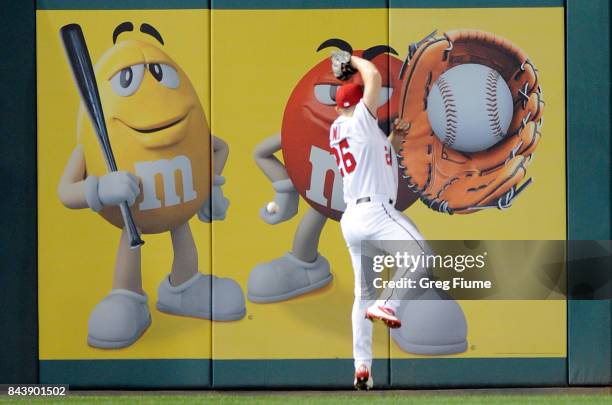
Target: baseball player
367	161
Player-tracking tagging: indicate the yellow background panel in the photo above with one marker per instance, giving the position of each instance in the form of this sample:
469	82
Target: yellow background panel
508	328
77	247
318	325
257	58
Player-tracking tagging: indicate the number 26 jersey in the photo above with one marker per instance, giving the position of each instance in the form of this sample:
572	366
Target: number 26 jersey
364	156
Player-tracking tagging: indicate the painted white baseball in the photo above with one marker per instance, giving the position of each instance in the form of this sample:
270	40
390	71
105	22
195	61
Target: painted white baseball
470	107
272	207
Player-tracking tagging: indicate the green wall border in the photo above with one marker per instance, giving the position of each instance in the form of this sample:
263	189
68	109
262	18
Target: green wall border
293	374
18	300
478	372
588	179
121	4
285	4
128	374
300	373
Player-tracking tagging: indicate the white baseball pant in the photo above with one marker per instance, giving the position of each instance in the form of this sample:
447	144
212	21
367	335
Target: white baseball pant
376	220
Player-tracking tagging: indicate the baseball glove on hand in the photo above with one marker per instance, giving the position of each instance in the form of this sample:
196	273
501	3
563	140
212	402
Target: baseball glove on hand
341	65
460	182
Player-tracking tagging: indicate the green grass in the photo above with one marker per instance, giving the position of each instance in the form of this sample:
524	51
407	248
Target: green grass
379	397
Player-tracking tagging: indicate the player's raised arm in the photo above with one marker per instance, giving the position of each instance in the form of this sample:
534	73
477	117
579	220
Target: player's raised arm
371	82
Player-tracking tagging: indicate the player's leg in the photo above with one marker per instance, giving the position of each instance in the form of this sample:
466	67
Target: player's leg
362	328
395	234
362	346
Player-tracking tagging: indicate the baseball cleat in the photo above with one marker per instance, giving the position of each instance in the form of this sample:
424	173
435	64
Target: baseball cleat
385	314
363	379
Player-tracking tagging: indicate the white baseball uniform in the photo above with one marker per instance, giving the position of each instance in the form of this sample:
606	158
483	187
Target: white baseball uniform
368	166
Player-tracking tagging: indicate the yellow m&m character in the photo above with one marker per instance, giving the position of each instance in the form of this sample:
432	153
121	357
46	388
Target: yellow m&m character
162	144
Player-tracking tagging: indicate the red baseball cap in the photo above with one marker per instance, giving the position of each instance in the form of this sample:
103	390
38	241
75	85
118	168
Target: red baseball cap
348	95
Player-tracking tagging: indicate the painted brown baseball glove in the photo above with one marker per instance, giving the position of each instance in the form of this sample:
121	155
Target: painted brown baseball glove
458	182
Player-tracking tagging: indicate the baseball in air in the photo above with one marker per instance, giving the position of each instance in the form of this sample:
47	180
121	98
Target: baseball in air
470	107
272	207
